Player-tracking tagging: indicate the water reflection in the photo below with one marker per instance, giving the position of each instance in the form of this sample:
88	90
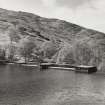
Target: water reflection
28	86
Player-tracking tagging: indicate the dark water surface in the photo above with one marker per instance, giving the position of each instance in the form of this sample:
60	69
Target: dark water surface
29	86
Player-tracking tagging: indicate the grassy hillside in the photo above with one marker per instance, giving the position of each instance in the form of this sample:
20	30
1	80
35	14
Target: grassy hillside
53	39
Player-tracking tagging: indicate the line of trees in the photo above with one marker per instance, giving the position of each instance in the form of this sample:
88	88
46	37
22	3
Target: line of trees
25	50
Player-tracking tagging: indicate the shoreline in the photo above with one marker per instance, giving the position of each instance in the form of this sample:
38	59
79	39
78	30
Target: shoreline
37	65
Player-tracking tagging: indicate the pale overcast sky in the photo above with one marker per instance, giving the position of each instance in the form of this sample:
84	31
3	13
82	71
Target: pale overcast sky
88	13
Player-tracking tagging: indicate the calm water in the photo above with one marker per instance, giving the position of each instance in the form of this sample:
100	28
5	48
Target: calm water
29	86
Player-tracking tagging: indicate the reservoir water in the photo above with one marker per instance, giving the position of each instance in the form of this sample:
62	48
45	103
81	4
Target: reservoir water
21	85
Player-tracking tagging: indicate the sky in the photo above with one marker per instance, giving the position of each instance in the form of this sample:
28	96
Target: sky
87	13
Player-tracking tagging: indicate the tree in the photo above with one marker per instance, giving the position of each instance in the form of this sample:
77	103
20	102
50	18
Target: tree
2	53
83	53
50	48
26	48
38	55
12	49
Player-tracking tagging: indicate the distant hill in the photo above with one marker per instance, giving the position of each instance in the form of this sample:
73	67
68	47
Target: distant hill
78	45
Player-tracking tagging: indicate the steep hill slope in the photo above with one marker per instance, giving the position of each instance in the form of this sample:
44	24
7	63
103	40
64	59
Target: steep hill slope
86	46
